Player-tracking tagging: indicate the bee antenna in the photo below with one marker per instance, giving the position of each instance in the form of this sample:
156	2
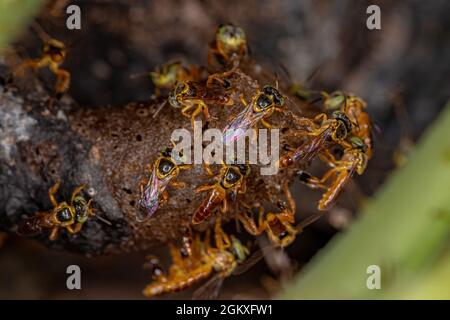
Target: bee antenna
104	220
162	104
314	72
138	75
40	31
285	71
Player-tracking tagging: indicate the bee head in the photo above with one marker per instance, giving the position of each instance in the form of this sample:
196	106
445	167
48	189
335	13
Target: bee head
274	95
344	126
335	101
358	143
81	209
231	177
230	37
240	251
64	215
166	166
55	49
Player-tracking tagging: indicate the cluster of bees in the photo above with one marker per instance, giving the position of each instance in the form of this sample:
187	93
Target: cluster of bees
214	254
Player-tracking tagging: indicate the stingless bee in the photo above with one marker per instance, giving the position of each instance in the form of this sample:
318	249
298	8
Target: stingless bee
153	192
354	160
334	129
70	216
229	46
189	94
231	179
262	105
168	75
355	109
53	55
279	227
224	259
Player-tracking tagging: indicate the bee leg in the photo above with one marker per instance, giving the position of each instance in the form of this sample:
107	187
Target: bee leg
207	168
310	180
304	122
89	207
266	124
243	188
205	187
328	158
242	99
291	202
248	224
52	192
225	205
62	79
165	197
195	114
184	111
76	192
185	166
32	64
314	182
178	184
54	234
73	230
175	254
268	227
322	117
221	238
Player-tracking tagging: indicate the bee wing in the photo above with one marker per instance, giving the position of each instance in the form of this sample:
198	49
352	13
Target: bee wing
241	123
150	198
248	263
30	227
210	290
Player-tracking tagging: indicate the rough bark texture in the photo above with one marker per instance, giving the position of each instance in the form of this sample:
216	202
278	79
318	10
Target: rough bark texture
108	149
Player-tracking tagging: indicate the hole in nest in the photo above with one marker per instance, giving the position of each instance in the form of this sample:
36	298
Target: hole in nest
132	203
127	190
139	137
188	200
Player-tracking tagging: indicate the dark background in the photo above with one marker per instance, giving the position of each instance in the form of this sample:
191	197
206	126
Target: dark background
402	71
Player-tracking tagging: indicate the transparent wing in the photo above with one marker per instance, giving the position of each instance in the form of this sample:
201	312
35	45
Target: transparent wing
210	290
250	262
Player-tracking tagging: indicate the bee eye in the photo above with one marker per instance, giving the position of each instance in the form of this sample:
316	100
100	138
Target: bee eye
283	235
281	205
191	91
64	215
172	99
278	100
343	119
358	143
232	176
166	166
268	90
341	132
335	102
243	168
180	88
264	102
276	96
